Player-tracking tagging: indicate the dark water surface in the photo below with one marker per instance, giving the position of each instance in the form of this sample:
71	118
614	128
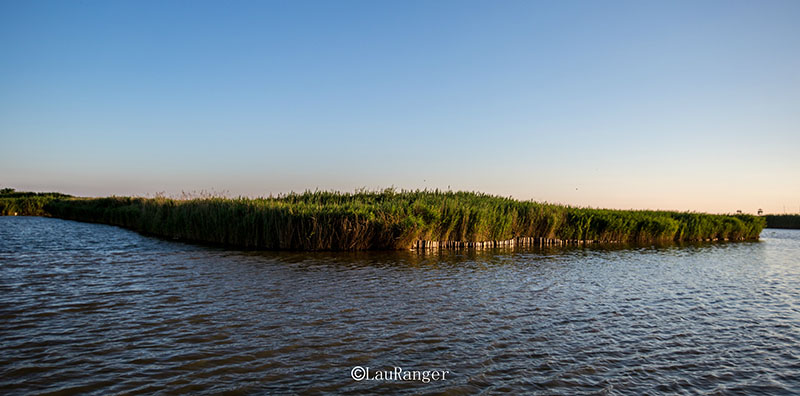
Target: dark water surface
87	308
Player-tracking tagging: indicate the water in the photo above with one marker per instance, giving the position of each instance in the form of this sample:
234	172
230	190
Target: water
87	308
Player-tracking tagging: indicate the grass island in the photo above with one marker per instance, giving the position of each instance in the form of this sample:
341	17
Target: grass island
387	219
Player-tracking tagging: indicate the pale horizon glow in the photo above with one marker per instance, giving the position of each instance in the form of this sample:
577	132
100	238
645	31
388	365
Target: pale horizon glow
631	105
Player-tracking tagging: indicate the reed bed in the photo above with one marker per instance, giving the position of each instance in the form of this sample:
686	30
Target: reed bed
13	203
394	220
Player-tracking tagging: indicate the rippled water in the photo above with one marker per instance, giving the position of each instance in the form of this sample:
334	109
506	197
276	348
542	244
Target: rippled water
87	308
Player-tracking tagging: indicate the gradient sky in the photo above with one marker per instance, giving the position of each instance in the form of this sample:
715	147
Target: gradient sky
689	105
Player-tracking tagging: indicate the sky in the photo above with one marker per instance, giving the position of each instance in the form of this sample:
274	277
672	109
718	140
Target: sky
682	105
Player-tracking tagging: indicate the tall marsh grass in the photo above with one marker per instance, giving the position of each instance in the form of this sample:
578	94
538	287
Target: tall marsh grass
14	203
392	220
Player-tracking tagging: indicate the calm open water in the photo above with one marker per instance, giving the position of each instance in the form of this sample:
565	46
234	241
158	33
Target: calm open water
88	308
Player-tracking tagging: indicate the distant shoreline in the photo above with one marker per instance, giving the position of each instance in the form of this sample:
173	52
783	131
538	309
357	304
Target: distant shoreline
784	221
383	220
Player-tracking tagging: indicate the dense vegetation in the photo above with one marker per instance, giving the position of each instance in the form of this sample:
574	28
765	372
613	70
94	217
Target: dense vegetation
14	203
783	221
391	220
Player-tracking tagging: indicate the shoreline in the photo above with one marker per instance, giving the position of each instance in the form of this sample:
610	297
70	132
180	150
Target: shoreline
538	242
783	221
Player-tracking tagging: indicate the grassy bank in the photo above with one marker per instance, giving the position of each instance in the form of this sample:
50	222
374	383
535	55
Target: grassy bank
391	220
783	221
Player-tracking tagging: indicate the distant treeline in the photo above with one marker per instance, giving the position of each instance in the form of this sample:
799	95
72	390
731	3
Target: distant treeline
783	221
386	220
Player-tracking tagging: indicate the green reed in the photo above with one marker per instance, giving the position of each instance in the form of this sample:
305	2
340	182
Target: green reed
15	203
391	219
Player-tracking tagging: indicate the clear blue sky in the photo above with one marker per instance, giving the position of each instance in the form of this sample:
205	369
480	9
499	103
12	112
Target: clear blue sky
689	105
